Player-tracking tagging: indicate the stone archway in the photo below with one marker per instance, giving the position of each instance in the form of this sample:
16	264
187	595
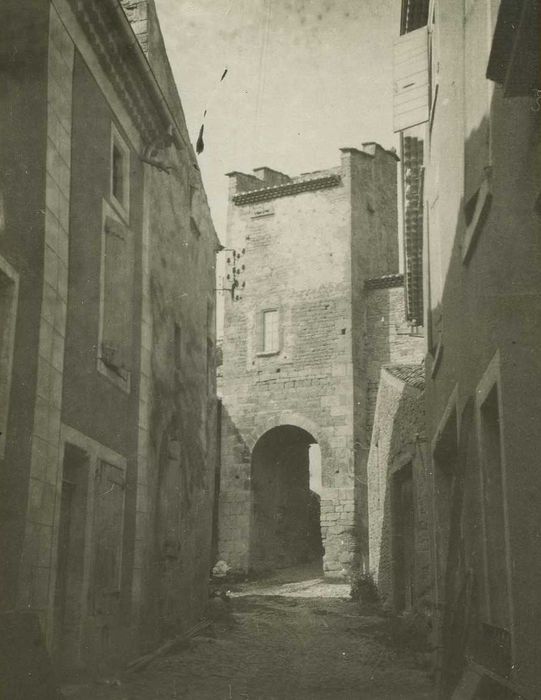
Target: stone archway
285	516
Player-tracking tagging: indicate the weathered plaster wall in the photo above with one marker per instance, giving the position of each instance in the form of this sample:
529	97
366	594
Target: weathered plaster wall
384	337
485	307
177	495
108	412
389	339
23	122
144	448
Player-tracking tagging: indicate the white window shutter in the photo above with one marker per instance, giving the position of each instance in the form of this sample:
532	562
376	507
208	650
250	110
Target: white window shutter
411	80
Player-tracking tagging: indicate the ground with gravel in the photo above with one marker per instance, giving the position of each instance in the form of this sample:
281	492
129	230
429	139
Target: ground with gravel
279	639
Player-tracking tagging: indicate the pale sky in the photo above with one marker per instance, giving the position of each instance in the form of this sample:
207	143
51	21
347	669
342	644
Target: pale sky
305	77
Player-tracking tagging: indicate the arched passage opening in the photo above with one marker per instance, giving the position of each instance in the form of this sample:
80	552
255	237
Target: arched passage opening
286	480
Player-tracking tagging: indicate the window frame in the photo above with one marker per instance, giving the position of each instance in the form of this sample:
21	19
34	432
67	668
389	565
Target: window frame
263	351
117	141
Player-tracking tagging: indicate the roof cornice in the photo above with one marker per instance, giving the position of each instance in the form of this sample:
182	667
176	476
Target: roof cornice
124	62
286	190
385	281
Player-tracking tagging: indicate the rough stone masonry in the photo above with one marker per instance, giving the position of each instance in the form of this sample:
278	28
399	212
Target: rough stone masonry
301	348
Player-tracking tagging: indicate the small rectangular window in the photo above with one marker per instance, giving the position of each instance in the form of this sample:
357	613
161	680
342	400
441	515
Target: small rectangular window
414	15
118	174
270	331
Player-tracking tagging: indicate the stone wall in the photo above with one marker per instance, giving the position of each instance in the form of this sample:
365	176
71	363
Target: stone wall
389	337
311	375
399	443
300	238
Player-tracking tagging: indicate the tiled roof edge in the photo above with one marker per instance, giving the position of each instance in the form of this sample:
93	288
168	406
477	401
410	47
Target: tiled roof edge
286	190
412	375
385	281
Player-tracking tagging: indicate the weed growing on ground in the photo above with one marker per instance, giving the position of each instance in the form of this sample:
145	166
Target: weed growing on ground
363	588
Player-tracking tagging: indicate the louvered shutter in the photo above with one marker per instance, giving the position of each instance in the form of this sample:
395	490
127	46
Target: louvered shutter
117	296
411	84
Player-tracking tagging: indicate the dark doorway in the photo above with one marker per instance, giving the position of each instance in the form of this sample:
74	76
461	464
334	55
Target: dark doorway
285	528
403	538
71	552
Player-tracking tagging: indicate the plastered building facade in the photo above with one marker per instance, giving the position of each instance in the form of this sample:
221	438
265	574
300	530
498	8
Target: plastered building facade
107	259
302	350
467	86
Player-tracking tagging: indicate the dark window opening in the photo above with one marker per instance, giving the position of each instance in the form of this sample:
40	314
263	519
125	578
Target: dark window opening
118	175
414	15
514	56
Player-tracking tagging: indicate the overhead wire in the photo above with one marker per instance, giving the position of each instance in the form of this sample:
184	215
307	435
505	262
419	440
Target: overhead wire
262	71
200	143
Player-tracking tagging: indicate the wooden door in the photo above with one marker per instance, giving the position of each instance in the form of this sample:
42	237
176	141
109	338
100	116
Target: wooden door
107	561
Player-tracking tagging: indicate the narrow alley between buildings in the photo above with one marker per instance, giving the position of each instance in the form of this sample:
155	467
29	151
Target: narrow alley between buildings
293	635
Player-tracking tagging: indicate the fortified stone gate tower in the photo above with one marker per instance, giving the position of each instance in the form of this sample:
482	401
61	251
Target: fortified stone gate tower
297	359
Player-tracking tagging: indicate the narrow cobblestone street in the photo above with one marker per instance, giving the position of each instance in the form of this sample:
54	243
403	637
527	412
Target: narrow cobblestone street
289	640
